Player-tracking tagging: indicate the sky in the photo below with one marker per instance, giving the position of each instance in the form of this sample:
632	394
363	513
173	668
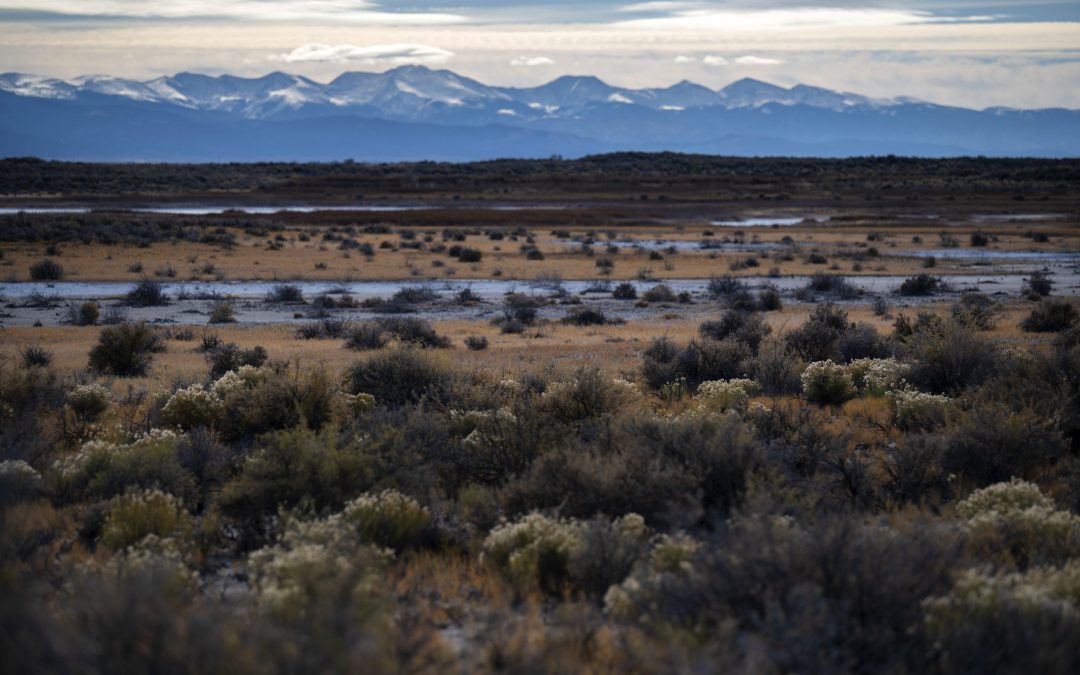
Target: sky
972	53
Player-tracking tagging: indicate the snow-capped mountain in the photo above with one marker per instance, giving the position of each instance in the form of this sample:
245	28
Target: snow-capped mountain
406	92
36	87
569	115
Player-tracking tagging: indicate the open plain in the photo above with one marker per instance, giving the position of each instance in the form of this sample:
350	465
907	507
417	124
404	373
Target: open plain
632	413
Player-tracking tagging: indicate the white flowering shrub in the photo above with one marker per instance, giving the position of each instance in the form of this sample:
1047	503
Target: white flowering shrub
718	396
512	387
536	550
388	519
358	404
673	553
88	401
552	554
18	482
243	378
482	429
827	383
131	517
588	394
670	554
193	408
317	562
912	410
100	469
1004	499
876	377
1017	520
157	562
1043	596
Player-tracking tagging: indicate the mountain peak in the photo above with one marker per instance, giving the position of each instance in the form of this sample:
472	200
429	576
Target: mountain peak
748	116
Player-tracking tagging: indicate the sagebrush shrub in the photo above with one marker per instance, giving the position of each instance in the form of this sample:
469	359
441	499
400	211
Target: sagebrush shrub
318	565
89	401
281	401
948	357
291	466
192	408
476	343
146	293
100	470
285	294
388	519
46	270
624	291
18	482
222	313
402	376
877	376
659	293
536	550
995	444
920	284
230	356
827	383
816	339
585	316
746	327
1017	522
975	310
132	517
719	396
241	379
85	314
367	335
1028	617
862	341
1051	316
414	331
912	410
588	394
665	470
777	369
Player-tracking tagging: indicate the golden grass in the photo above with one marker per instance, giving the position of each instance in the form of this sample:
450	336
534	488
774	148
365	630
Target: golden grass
257	258
614	348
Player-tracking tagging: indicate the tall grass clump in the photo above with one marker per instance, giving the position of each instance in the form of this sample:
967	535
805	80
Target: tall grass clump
146	293
46	270
125	350
402	376
285	294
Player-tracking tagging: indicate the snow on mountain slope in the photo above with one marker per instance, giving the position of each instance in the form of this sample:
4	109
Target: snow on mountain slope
413	93
36	87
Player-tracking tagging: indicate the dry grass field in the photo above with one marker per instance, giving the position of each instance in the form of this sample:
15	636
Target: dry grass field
301	253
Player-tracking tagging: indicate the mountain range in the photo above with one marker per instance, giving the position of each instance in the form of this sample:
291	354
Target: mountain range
413	112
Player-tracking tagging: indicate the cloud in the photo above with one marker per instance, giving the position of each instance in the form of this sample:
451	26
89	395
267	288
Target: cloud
701	16
398	54
685	59
714	61
531	61
757	61
352	11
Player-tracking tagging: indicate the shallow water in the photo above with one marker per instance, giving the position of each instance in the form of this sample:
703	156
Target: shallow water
987	254
216	210
1019	216
677	244
447	288
771	222
270	210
